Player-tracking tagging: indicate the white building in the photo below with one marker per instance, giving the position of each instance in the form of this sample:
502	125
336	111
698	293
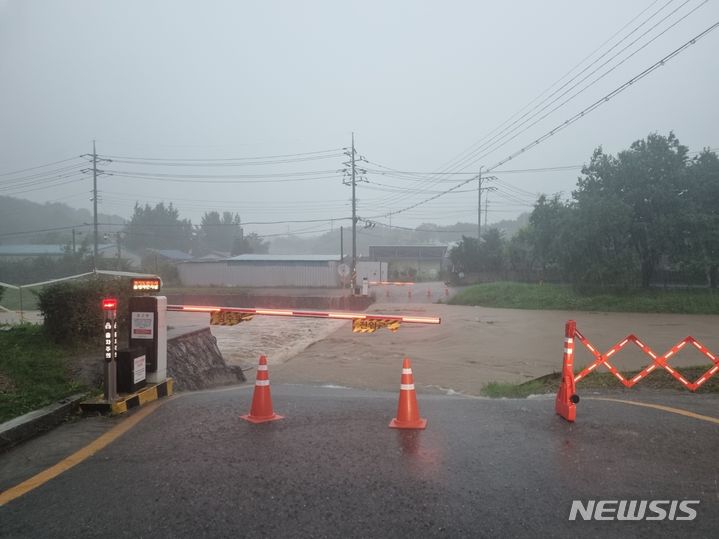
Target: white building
261	270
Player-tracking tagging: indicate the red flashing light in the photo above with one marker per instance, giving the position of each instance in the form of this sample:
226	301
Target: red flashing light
109	304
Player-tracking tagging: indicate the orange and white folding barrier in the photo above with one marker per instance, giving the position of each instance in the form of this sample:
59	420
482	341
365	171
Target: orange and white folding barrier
567	398
407	408
262	410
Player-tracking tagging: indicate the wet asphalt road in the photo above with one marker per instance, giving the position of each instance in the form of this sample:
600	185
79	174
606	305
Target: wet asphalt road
494	468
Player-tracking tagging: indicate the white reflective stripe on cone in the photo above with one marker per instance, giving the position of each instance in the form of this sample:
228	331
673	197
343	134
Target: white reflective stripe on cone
262	382
406	387
567	351
261	367
406	371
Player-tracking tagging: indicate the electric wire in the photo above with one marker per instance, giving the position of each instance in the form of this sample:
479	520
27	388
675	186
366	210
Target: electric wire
598	103
459	159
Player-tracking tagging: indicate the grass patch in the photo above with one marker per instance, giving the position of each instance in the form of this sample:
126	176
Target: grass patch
34	372
564	297
497	390
658	379
11	299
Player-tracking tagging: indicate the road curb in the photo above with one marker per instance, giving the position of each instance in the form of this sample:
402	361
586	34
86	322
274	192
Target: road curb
26	426
144	396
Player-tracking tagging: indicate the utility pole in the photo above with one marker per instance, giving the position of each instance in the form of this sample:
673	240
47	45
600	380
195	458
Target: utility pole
118	237
354	217
479	204
342	244
351	176
94	204
73	242
95	173
486	211
480	188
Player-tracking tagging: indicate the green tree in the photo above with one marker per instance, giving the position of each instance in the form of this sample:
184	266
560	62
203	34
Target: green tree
630	202
465	255
701	224
547	227
491	250
158	228
520	251
220	231
252	243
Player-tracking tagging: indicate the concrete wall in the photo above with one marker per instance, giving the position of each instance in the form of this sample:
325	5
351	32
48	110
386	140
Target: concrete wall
260	274
315	303
195	362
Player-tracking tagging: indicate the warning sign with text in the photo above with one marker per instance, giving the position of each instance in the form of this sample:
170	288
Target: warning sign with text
138	370
142	326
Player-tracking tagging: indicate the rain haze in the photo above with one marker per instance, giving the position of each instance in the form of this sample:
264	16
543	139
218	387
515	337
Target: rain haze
194	101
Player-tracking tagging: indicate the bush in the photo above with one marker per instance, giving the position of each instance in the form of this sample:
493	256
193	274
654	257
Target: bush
73	312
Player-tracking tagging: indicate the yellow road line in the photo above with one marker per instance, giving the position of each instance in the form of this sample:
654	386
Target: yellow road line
76	458
669	409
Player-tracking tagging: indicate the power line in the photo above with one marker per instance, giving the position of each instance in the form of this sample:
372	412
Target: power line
39	166
45	185
224	164
259	178
463	156
224	158
577	116
40	231
38	177
502	140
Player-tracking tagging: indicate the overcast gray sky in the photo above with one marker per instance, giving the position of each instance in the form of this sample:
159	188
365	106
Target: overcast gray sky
417	82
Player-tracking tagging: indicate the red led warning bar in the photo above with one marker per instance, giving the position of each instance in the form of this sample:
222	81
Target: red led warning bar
333	315
109	304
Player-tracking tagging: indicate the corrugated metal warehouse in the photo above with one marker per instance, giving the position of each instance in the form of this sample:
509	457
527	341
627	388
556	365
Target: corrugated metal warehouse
411	261
259	270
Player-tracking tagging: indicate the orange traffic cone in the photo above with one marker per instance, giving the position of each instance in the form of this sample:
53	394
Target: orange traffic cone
261	410
407	409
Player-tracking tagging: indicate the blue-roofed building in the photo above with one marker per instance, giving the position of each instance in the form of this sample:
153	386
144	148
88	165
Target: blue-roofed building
172	255
22	251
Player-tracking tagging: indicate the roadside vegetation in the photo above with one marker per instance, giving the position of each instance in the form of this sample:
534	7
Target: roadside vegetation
42	364
34	372
659	379
565	297
643	218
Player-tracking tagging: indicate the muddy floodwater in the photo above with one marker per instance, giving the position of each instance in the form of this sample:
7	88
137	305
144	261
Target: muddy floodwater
472	347
279	338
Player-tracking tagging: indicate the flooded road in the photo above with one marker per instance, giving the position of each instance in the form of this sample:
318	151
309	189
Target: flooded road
279	338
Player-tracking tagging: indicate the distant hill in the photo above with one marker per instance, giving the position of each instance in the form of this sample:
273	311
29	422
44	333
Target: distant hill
18	216
425	234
